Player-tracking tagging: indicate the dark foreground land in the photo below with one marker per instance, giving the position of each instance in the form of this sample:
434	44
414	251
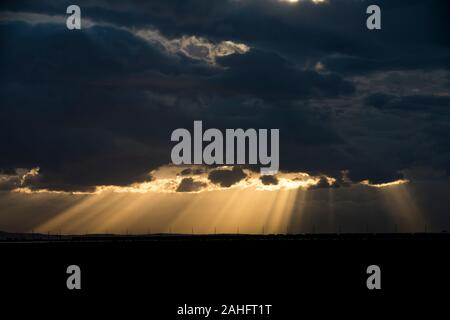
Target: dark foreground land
150	276
6	237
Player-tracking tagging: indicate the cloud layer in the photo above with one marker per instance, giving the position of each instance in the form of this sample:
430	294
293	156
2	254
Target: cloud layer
96	107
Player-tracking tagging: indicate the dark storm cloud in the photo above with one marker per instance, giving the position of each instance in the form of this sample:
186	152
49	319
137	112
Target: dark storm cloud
269	180
225	177
72	122
378	100
414	33
418	103
97	106
91	117
190	185
191	171
254	73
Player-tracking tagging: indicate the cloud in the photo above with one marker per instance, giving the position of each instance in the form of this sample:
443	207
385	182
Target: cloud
343	43
190	185
384	185
378	100
255	72
226	177
194	47
191	171
96	107
198	48
269	180
169	179
39	18
413	103
17	178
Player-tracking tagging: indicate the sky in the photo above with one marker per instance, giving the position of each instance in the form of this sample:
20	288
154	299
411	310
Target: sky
86	115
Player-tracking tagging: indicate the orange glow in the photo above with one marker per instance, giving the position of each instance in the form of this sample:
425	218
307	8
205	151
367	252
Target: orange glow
226	211
384	185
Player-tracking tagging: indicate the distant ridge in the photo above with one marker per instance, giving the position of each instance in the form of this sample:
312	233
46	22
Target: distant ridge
39	237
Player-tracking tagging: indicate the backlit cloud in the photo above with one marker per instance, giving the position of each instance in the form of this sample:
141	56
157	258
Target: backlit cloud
193	47
171	179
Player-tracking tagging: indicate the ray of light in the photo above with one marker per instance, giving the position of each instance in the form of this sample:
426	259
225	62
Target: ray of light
248	211
297	215
403	208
